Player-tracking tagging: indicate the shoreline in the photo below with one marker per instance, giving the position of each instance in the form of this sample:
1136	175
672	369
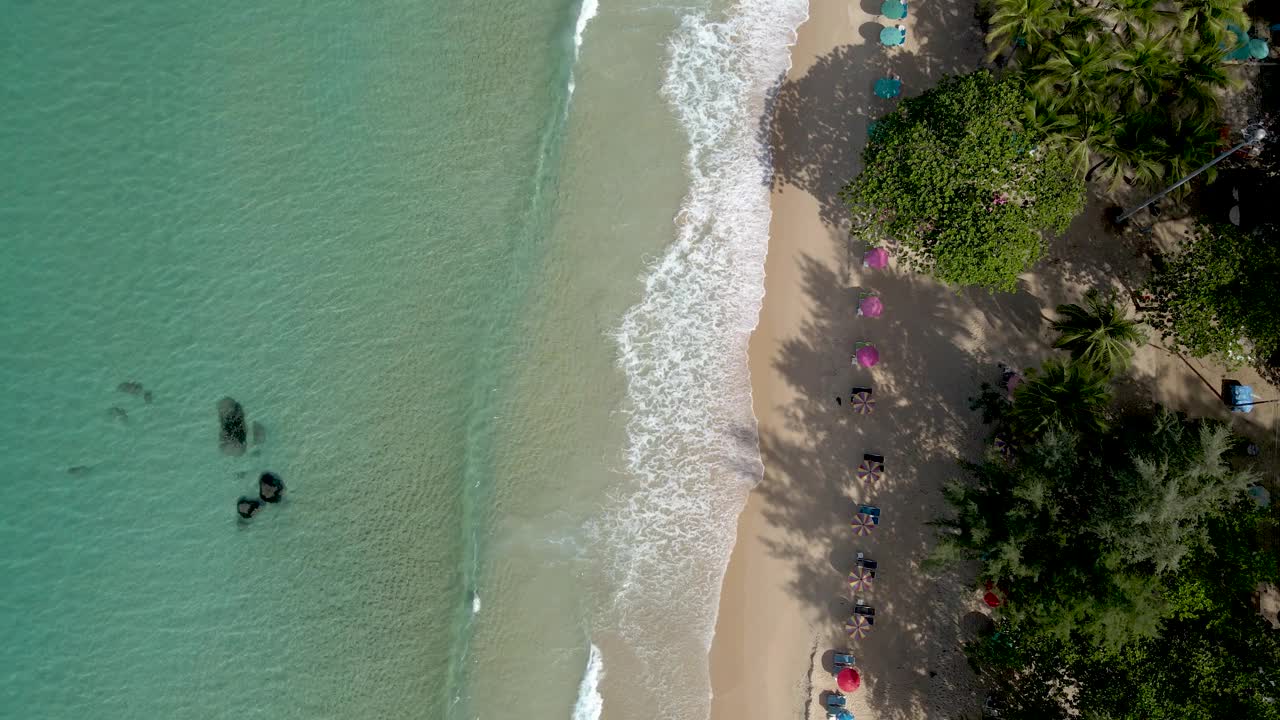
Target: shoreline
783	597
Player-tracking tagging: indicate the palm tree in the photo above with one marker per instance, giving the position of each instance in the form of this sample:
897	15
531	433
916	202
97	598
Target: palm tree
1143	71
1098	334
1075	71
1024	24
1209	19
1070	396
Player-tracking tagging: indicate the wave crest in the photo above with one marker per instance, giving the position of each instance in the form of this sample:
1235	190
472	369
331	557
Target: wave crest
693	451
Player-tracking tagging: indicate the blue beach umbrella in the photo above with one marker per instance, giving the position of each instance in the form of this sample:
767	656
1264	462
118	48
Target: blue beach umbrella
891	36
888	87
894	9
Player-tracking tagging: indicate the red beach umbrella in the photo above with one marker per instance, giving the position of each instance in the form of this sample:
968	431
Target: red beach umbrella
991	599
871	306
849	680
876	258
867	356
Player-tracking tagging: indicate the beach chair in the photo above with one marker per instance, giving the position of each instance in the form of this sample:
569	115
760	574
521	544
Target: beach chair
867	564
840	661
864	610
835	703
870	511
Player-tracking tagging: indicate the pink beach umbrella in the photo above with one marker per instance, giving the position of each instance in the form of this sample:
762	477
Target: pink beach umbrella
876	258
871	306
867	356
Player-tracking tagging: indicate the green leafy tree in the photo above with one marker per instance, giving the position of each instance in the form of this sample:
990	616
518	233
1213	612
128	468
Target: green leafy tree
1082	529
1217	295
1098	333
967	189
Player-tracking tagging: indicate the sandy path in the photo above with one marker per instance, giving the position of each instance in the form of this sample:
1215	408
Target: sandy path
784	599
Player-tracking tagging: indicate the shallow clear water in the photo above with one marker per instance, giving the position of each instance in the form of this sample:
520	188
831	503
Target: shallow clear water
488	292
326	212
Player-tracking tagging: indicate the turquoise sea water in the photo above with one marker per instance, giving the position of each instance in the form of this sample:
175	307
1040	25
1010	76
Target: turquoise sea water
483	271
328	212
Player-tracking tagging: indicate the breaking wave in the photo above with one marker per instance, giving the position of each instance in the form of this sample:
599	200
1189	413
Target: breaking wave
693	451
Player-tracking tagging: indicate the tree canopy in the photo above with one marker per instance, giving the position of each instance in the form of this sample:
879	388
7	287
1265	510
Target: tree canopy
1216	296
963	185
1097	333
1129	87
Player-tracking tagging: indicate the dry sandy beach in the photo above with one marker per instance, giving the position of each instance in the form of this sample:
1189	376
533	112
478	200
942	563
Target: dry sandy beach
784	598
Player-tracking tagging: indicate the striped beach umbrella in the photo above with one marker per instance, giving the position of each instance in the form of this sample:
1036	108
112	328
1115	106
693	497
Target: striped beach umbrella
860	579
858	626
869	470
862	403
863	524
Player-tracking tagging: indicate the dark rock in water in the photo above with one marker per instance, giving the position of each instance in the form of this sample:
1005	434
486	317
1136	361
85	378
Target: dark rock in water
231	426
270	487
247	507
79	469
118	413
147	397
133	388
242	474
259	433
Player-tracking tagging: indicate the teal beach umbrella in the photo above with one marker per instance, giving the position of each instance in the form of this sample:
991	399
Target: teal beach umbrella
1258	49
888	87
894	9
891	36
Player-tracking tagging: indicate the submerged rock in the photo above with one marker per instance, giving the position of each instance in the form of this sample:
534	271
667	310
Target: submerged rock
79	469
231	426
247	507
270	487
118	413
259	433
131	387
147	397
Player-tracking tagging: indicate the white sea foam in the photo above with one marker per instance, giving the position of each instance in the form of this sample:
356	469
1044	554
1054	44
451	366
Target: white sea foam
693	451
475	604
586	11
590	704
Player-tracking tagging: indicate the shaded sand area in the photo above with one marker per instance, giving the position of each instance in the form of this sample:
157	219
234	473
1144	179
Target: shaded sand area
784	598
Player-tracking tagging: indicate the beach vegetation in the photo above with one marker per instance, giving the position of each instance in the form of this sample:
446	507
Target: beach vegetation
1134	85
962	184
1081	529
1123	549
1060	396
1097	333
1216	295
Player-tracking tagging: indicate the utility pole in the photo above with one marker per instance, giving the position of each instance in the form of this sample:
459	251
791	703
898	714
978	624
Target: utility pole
1252	137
